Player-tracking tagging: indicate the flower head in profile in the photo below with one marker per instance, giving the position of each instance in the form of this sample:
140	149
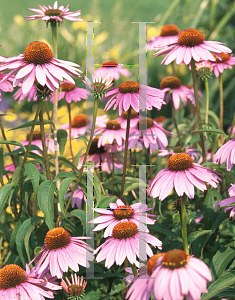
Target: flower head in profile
15	283
55	13
222	64
112	69
124	243
70	92
38	66
120	212
171	275
131	94
169	35
77	198
133	119
99	85
191	45
228	201
175	91
61	251
182	174
226	153
75	288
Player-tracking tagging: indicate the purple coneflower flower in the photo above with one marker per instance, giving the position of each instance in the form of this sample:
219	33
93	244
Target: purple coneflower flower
133	120
228	201
61	251
191	45
80	124
177	91
70	92
154	135
182	174
226	153
169	35
6	86
54	13
110	132
124	243
220	65
192	152
112	69
75	288
37	142
77	198
130	93
15	283
171	275
38	64
120	212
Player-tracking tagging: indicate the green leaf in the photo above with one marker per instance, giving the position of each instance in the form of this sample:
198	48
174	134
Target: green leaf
23	236
193	140
62	139
82	138
33	174
221	260
194	235
1	162
80	214
13	143
105	202
14	234
16	175
76	158
97	188
92	296
45	200
117	288
211	130
29	124
162	229
133	186
65	161
222	283
63	191
209	209
4	193
64	174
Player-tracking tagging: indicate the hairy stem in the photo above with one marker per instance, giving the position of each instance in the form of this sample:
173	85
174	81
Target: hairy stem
221	106
125	152
194	76
207	100
184	223
70	130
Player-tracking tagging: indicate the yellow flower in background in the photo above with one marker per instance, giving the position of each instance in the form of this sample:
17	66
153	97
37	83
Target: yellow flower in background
113	53
66	35
19	20
101	38
153	31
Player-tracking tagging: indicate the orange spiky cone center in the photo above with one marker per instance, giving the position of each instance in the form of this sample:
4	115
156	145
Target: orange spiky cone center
38	53
134	114
57	238
169	30
113	125
53	12
80	121
180	162
36	135
67	86
152	262
224	57
124	230
190	38
175	259
123	212
145	121
94	148
160	119
108	64
171	82
129	87
11	276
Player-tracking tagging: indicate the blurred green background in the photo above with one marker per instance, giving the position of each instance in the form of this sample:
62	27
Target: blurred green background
116	38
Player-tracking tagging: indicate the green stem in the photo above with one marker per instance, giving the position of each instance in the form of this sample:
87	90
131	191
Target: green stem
113	173
231	131
184	223
96	104
44	148
207	100
175	123
47	110
125	152
40	101
70	135
133	267
55	106
194	76
5	139
221	105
